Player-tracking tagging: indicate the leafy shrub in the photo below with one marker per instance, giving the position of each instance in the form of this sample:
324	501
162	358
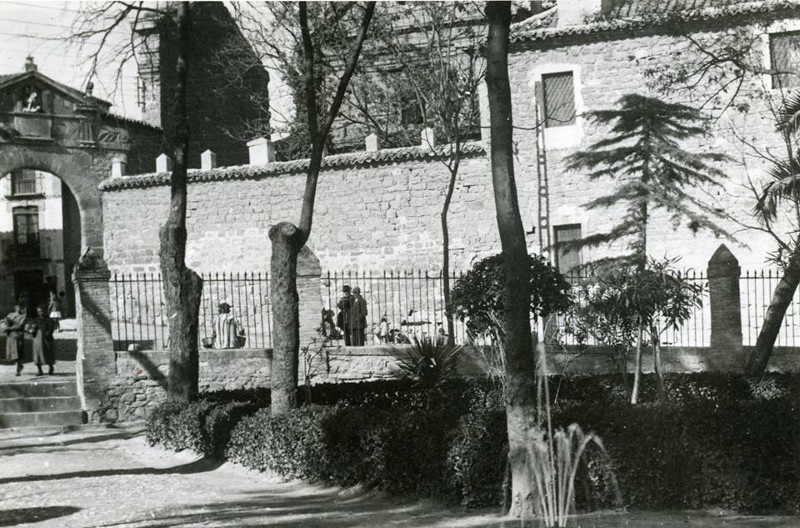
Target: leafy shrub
203	426
477	297
290	445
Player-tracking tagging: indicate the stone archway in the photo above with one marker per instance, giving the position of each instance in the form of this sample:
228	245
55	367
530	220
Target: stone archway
72	135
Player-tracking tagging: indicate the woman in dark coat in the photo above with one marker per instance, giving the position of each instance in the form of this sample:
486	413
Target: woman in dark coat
14	328
44	347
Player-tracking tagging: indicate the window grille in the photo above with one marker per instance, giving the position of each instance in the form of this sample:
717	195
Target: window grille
24	182
567	258
26	231
559	99
784	49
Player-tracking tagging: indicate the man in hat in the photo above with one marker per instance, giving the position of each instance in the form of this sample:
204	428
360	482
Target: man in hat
358	318
343	318
226	328
14	328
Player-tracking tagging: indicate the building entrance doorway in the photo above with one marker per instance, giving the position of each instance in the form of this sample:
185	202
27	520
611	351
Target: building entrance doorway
40	238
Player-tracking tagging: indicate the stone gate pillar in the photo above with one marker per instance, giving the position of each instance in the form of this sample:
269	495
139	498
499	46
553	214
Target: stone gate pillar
95	365
726	308
310	298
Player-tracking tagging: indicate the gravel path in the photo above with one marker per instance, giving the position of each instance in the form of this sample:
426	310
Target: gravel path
111	478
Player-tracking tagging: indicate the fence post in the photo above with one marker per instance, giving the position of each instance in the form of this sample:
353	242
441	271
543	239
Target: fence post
95	364
726	308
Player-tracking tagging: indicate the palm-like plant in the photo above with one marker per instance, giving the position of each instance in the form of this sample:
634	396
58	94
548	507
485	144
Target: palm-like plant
430	361
782	189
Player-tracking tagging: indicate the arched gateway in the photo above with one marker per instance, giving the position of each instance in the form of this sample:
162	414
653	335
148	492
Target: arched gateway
47	126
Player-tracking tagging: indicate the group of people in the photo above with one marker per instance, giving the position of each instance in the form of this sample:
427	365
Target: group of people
352	316
40	329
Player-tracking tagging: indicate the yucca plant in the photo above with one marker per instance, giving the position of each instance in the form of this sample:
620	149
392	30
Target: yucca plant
429	361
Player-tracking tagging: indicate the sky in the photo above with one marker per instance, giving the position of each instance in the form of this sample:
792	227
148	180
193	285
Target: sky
39	28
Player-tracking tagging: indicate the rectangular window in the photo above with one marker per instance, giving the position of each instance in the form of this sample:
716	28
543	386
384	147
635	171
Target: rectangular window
23	182
567	258
784	51
26	231
559	99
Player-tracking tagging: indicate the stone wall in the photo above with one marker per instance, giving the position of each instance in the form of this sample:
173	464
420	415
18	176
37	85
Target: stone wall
368	216
140	382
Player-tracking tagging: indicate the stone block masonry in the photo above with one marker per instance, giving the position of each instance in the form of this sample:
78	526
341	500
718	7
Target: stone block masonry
369	215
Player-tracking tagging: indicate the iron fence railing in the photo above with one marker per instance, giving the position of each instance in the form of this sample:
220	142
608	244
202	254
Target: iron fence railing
412	303
138	308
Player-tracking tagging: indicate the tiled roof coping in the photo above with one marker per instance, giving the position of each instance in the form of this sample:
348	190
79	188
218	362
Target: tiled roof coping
523	33
278	168
132	121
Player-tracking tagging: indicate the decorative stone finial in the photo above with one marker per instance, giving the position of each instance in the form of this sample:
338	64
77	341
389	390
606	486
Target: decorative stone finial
30	65
428	138
373	143
163	163
208	160
89	89
261	151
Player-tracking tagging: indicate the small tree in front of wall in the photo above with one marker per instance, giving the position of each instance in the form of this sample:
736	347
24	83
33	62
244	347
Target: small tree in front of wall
478	300
651	171
659	298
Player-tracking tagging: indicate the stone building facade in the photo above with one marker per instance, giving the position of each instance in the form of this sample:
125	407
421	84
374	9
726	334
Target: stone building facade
588	65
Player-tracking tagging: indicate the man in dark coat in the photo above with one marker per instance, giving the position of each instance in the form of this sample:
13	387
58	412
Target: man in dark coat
343	318
14	328
358	318
44	346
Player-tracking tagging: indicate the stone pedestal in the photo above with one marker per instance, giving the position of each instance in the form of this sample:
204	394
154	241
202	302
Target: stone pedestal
726	309
95	363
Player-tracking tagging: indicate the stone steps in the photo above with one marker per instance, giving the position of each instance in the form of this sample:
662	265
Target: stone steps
40	404
40	419
39	389
47	404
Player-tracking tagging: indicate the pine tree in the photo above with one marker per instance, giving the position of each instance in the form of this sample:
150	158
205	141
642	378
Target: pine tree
643	155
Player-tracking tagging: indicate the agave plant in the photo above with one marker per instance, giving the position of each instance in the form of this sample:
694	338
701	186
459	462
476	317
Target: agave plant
430	361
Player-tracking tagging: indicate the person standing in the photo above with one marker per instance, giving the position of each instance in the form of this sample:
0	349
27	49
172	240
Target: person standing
226	328
358	318
14	328
343	318
54	307
44	345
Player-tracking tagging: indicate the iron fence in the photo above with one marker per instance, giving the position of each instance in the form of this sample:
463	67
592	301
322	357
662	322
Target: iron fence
138	308
694	332
411	301
755	292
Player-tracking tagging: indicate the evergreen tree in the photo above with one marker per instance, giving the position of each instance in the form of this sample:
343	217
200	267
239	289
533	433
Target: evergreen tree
643	155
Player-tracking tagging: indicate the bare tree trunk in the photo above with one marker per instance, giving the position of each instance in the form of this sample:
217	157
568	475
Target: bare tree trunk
637	374
655	335
446	251
520	365
182	286
287	240
781	299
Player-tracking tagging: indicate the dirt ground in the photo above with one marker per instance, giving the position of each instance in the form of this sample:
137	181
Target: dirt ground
112	478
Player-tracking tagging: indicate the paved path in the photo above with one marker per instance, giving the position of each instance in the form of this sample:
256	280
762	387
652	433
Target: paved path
111	478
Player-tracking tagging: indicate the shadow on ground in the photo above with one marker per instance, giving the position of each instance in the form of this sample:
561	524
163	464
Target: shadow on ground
28	515
199	466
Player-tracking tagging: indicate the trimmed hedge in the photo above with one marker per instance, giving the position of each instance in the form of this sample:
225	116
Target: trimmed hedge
721	440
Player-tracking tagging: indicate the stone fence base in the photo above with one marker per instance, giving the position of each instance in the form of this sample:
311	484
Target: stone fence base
141	379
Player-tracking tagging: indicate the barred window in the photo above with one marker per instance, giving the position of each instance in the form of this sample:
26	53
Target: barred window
784	50
559	99
567	258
